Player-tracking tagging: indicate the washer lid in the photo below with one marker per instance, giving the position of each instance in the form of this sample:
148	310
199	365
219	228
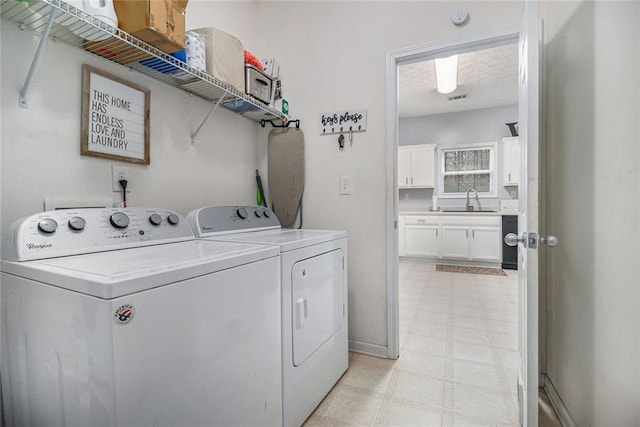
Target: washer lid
122	272
288	240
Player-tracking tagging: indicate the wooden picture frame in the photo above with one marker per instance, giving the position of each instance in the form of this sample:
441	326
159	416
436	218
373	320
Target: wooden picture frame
115	118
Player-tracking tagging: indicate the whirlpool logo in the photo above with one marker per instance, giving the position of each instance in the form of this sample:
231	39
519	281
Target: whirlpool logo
38	246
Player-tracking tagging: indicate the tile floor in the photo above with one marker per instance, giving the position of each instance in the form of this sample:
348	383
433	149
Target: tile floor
458	358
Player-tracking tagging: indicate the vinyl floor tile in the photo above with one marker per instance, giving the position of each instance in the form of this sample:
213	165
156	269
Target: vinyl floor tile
401	414
458	358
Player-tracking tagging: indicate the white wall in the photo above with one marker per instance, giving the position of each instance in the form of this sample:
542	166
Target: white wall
464	127
453	129
332	57
41	144
592	111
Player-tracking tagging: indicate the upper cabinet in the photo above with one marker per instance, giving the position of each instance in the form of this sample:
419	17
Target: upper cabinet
63	22
416	166
511	161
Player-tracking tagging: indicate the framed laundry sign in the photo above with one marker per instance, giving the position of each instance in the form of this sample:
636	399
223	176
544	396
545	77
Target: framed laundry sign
115	117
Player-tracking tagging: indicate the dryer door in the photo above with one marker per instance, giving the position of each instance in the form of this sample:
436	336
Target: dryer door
317	302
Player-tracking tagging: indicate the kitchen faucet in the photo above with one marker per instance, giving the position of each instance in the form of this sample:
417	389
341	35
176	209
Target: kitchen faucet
468	205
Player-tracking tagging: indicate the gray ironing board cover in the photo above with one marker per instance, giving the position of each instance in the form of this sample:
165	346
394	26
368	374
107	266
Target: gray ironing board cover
285	157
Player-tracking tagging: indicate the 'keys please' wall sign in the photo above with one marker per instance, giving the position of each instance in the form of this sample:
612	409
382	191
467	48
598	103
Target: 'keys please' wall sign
343	121
115	118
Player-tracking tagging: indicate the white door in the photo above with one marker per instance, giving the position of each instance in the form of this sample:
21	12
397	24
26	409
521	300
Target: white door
317	302
529	197
422	240
486	244
455	241
422	166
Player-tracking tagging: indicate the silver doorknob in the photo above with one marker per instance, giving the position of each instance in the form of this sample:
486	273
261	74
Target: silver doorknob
512	239
548	240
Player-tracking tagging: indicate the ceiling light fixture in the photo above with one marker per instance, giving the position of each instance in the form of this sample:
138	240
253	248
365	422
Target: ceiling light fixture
447	74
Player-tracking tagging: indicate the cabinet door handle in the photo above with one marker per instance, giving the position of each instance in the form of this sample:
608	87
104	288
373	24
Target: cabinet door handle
421	221
467	231
436	232
406	180
509	177
473	234
411	180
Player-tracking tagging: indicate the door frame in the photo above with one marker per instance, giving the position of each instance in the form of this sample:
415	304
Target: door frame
421	52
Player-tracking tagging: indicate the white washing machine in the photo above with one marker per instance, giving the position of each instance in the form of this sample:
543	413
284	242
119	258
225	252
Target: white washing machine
120	317
314	299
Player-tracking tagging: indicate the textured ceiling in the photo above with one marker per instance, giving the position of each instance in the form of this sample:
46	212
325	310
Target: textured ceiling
488	78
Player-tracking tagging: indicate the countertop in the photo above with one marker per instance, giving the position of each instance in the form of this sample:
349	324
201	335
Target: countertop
427	211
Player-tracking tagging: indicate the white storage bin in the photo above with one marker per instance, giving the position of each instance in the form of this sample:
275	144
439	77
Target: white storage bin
224	56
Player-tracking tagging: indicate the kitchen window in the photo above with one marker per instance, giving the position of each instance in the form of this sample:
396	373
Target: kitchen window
462	168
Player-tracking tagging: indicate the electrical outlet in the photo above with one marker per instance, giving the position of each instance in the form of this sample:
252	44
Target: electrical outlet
117	173
346	185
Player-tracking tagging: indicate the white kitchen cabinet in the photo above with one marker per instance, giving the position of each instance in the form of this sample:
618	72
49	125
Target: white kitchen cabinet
466	237
455	241
510	161
422	236
416	166
472	237
485	244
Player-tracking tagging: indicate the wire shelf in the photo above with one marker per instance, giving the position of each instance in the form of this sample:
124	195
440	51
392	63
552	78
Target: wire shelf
79	29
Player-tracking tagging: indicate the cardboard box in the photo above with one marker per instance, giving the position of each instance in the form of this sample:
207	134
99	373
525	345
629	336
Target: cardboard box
157	22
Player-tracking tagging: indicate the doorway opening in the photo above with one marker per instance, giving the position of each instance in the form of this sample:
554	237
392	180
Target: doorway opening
433	115
460	135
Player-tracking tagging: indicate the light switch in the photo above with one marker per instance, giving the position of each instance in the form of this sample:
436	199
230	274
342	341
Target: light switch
346	185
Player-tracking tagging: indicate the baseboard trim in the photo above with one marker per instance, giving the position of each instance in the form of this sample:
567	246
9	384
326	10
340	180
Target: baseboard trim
368	348
561	410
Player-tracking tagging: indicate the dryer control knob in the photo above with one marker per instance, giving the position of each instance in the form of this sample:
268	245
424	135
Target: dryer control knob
258	214
48	226
119	220
173	219
155	219
266	213
242	213
77	223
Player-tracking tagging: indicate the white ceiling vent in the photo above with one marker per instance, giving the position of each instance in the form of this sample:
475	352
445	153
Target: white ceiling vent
458	97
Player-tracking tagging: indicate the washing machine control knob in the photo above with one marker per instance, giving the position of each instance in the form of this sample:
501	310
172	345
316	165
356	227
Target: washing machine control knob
77	223
266	213
242	213
48	226
119	220
258	213
173	219
155	219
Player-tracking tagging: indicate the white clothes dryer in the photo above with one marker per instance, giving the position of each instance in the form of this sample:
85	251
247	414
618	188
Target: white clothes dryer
314	298
120	317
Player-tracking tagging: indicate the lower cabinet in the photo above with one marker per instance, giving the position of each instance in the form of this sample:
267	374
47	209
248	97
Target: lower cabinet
455	241
459	237
421	236
485	244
